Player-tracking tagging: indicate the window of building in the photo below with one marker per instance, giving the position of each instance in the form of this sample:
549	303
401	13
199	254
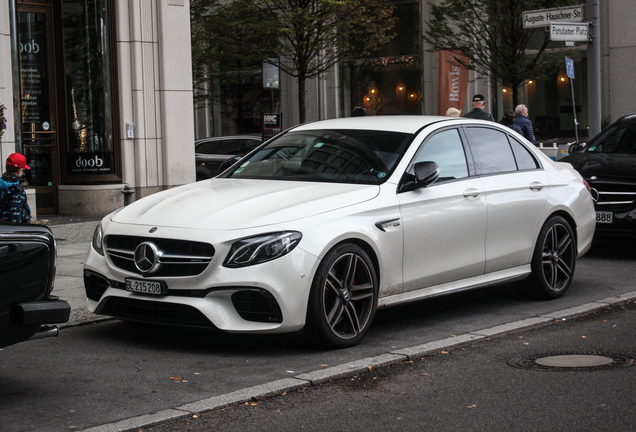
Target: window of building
90	149
390	82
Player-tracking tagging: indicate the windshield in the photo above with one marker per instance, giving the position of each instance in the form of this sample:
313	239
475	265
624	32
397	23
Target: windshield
620	138
342	156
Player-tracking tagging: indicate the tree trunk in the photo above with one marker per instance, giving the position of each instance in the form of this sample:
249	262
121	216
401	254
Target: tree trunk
301	98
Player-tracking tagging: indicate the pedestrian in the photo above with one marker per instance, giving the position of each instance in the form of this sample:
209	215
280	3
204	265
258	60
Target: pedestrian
13	201
478	112
359	112
522	120
452	112
509	120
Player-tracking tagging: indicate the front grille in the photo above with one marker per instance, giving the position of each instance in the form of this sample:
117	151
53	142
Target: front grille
614	196
156	313
177	257
257	305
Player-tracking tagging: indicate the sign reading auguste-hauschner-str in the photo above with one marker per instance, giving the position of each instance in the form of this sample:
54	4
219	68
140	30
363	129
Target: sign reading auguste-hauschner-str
543	17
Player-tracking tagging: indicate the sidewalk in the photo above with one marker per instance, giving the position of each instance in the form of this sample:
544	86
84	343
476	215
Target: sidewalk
73	235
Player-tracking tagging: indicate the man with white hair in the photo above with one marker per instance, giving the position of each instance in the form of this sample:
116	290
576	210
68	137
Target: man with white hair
522	120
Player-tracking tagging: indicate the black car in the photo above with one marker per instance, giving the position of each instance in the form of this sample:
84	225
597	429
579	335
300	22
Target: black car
608	164
210	153
27	270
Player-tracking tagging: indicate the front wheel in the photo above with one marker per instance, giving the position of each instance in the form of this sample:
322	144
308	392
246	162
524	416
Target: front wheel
343	297
553	260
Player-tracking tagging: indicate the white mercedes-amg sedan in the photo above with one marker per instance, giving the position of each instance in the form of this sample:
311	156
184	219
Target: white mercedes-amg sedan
327	222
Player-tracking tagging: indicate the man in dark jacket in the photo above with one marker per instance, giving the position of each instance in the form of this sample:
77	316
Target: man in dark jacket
479	102
13	201
522	120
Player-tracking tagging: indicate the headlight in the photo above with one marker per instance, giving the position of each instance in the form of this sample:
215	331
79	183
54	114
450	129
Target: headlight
267	247
98	240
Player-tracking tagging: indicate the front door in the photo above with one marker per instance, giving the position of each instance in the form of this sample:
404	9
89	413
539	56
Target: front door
38	103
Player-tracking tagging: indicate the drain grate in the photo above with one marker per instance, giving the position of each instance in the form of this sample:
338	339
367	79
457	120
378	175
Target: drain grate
573	361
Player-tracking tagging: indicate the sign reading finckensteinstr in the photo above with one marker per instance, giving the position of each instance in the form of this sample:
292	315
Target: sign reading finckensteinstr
543	17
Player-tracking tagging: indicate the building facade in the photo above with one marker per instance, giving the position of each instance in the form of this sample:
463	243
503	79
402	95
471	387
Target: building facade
403	79
98	95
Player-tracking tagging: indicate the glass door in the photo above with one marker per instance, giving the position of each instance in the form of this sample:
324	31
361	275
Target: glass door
38	106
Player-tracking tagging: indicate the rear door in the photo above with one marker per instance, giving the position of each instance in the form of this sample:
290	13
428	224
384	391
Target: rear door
516	192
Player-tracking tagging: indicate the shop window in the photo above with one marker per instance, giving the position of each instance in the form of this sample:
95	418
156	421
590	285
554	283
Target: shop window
390	82
90	147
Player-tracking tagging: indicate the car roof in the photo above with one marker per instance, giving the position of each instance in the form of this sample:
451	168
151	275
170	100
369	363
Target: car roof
393	123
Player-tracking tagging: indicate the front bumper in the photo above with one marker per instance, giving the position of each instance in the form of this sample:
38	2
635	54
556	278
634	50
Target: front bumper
270	297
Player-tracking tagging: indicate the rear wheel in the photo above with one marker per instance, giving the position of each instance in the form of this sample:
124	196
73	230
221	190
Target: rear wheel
553	260
343	297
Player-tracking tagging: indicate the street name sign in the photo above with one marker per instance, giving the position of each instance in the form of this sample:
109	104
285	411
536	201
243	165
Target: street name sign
543	17
563	31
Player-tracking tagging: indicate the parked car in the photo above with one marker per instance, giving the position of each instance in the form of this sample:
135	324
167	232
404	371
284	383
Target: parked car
608	164
210	153
27	270
330	220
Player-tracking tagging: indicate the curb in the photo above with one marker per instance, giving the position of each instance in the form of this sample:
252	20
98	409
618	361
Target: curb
321	376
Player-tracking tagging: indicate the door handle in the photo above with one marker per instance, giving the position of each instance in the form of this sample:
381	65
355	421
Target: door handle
471	193
536	186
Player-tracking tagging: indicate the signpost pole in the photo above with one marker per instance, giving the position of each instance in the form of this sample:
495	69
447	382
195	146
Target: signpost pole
594	68
569	68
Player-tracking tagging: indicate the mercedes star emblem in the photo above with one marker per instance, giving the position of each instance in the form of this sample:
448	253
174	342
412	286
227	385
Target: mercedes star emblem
147	258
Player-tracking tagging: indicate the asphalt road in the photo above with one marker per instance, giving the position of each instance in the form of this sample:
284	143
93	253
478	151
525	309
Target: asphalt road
109	371
472	388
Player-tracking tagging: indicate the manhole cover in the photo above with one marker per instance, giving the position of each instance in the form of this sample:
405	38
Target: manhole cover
573	361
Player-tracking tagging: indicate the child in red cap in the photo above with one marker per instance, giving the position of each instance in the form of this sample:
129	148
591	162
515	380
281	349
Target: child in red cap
13	200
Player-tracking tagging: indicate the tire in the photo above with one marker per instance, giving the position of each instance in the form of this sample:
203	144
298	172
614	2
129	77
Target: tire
553	261
343	298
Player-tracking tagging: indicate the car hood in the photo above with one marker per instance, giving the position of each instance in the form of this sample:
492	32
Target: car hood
222	203
604	165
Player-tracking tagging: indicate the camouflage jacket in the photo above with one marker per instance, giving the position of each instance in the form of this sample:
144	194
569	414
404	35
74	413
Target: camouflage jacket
13	200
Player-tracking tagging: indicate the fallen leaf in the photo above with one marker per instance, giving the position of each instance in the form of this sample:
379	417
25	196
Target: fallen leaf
324	365
176	378
472	406
526	343
195	416
604	321
253	404
369	368
444	352
138	368
584	337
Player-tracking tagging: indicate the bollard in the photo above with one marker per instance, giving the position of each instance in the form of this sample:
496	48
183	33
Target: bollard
128	192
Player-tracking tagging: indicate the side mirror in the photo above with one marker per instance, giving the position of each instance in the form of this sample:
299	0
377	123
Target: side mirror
426	173
421	175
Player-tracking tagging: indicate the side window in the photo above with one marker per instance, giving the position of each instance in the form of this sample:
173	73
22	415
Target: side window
445	148
525	160
230	147
206	148
492	150
251	144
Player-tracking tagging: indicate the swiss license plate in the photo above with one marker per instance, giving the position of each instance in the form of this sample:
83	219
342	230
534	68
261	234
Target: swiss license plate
604	217
144	286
